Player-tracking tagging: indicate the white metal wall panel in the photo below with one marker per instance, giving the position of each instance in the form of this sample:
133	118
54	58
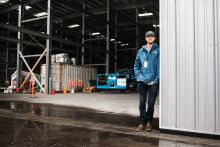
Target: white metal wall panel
190	65
168	58
217	61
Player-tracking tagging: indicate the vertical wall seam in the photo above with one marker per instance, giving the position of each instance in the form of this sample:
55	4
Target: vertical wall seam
214	20
176	62
215	5
205	58
196	58
218	61
195	66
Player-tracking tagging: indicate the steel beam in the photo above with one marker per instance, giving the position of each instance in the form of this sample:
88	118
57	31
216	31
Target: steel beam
33	75
95	39
49	48
116	40
137	29
83	32
77	52
22	30
103	11
11	8
31	56
19	48
107	40
141	22
40	57
70	16
13	40
61	34
126	49
33	19
94	64
7	49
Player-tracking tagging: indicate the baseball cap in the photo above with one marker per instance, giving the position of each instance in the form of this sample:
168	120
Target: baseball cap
150	33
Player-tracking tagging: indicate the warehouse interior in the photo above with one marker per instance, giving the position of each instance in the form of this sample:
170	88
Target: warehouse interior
53	54
101	34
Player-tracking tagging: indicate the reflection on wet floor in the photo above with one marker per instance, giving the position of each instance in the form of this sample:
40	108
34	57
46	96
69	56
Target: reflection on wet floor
61	126
21	133
76	113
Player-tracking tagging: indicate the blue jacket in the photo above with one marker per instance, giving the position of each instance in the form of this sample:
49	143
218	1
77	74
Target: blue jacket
146	66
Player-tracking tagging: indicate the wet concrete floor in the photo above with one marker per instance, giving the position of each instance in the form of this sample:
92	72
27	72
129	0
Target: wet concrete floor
20	133
42	125
75	113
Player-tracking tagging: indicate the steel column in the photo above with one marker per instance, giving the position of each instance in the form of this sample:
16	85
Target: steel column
137	29
61	34
7	48
49	48
6	66
77	52
107	40
19	47
116	40
83	32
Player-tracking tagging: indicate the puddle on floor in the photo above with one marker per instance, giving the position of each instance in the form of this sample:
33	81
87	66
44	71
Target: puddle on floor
25	133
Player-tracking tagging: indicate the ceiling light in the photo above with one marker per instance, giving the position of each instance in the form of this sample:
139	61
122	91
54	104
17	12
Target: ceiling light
145	14
28	7
125	44
41	14
96	33
156	25
3	1
119	42
73	26
112	39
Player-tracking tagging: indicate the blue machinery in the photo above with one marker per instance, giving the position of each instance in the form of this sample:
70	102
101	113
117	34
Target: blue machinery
121	80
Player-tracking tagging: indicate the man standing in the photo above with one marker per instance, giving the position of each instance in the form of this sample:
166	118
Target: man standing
146	68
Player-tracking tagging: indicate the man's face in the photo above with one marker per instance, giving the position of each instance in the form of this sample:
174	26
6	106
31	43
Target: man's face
150	39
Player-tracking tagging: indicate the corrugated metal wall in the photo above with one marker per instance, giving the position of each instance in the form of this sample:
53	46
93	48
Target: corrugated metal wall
190	65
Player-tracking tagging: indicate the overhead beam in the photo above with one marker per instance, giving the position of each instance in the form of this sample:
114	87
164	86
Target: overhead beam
33	19
103	11
6	10
15	6
132	6
141	22
14	40
70	16
20	29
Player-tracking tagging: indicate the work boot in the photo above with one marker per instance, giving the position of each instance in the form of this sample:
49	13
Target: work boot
148	127
140	128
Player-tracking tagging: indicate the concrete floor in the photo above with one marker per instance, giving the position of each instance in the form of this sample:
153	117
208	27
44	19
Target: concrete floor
105	119
116	102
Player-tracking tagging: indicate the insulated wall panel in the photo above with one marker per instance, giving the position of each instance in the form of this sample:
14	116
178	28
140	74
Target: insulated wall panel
190	65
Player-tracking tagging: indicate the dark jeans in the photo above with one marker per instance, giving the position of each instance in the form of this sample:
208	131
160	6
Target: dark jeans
151	92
